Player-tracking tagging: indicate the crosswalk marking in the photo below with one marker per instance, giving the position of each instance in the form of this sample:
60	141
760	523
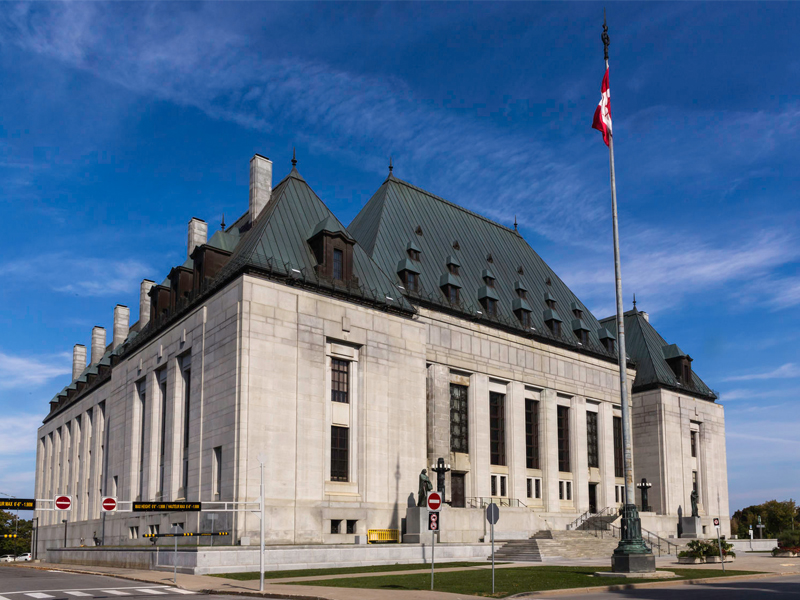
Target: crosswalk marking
115	592
39	595
178	591
151	591
3	598
76	593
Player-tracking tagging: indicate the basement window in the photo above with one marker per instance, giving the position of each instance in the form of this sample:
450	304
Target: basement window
336	525
351	526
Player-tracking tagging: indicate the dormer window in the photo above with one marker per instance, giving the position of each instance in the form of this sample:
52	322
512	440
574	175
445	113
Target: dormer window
579	327
607	339
490	305
608	344
453	265
413	251
577	311
451	292
408	270
553	321
333	250
524	318
453	269
680	363
521	290
488	278
411	281
550	301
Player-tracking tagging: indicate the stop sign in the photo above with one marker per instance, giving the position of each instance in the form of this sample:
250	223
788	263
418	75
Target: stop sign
434	501
109	504
63	502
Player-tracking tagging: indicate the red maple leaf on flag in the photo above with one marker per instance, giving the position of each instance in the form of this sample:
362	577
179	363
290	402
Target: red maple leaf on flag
602	116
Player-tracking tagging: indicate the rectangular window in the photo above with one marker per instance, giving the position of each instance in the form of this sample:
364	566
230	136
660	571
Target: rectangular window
619	465
569	490
560	490
491	307
693	438
494	485
340	380
412	281
340	453
161	377
187	402
532	434
503	486
452	294
142	392
592	445
563	439
216	485
459	437
338	263
133	533
537	488
152	529
530	488
336	524
694	485
351	526
114	483
497	428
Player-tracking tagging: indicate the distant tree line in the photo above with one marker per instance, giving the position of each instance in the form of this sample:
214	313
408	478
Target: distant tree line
777	517
23	529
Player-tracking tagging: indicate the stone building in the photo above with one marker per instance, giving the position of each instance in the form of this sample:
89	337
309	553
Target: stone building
349	359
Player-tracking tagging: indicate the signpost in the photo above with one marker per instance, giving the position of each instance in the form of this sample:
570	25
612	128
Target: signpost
492	515
434	502
719	541
63	502
175	531
108	504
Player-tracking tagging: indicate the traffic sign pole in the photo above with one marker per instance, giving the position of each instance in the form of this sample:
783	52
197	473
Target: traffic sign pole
492	515
719	541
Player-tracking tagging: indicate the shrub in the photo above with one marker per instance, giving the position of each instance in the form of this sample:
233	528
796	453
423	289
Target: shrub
789	538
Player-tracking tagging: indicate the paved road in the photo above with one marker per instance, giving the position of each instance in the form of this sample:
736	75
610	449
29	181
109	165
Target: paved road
779	588
33	584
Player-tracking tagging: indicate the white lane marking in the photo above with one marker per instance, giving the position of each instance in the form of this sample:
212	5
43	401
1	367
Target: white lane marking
151	591
116	592
39	595
76	593
103	589
3	598
178	591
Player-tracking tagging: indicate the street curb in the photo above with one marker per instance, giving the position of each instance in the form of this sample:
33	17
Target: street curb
649	584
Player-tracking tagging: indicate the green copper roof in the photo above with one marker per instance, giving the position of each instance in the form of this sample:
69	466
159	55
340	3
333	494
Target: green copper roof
398	211
645	346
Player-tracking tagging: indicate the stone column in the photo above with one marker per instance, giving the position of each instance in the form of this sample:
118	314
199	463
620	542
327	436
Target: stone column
515	442
438	417
479	447
549	450
580	456
605	425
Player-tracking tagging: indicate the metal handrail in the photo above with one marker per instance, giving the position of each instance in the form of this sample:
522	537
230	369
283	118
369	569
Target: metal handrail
484	501
608	510
660	541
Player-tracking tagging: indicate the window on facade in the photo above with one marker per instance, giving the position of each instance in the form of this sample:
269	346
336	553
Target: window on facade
524	318
608	344
687	374
578	313
217	482
142	392
133	533
489	281
530	488
532	434
490	306
537	488
453	269
338	264
340	380
451	292
563	439
550	303
161	376
694	484
582	335
555	327
503	486
351	526
411	281
459	435
340	453
114	483
560	490
522	293
592	445
336	525
494	485
413	254
497	428
693	438
187	397
619	465
152	529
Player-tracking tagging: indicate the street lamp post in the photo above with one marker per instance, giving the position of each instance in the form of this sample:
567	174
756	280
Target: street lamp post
440	468
644	485
64	521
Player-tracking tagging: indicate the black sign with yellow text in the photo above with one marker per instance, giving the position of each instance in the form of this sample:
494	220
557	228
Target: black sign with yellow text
18	503
166	506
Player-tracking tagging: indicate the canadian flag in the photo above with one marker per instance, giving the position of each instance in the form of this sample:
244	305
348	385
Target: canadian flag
602	116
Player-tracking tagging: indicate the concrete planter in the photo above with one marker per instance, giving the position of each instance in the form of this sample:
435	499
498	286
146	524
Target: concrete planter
784	555
690	560
717	559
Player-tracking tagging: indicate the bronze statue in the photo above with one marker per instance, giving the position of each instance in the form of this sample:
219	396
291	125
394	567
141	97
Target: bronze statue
425	486
694	498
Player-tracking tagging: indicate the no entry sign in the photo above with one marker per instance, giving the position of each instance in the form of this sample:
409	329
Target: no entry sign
434	501
63	502
109	504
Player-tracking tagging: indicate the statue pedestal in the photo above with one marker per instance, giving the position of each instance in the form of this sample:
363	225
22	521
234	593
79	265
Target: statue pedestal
417	525
691	527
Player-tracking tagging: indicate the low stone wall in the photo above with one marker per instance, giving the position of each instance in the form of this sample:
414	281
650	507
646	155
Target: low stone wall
753	545
205	561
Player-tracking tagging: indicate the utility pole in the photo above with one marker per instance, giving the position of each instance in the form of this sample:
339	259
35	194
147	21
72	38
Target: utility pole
261	459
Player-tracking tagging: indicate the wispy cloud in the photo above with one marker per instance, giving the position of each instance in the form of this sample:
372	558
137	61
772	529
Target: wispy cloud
18	433
20	371
757	394
786	371
81	276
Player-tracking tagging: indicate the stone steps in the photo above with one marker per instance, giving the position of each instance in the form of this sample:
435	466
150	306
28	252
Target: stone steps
551	544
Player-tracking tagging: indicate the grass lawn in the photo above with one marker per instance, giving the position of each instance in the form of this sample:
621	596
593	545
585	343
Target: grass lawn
507	581
346	570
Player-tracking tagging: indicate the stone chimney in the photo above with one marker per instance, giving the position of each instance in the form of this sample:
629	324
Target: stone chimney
144	296
198	234
98	343
645	315
122	315
78	360
260	185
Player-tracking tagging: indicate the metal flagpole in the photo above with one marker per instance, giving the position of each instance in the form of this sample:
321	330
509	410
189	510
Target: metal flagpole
631	542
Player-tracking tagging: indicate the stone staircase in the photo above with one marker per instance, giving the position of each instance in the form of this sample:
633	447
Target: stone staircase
563	544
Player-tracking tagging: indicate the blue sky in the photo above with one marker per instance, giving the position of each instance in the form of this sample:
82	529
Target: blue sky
119	122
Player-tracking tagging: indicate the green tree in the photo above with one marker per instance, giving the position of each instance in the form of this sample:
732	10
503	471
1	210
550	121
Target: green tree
776	516
23	529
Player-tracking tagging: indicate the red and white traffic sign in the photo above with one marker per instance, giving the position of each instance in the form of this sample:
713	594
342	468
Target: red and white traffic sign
63	502
434	501
433	521
109	504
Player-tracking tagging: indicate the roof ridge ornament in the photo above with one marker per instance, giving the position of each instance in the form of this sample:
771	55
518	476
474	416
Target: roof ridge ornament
634	302
391	167
222	224
294	157
515	224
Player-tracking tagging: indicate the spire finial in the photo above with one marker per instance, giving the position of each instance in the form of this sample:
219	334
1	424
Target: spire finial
634	301
390	165
604	35
294	157
515	223
222	224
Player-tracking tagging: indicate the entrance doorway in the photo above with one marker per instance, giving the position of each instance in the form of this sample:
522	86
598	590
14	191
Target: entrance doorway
593	498
457	497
